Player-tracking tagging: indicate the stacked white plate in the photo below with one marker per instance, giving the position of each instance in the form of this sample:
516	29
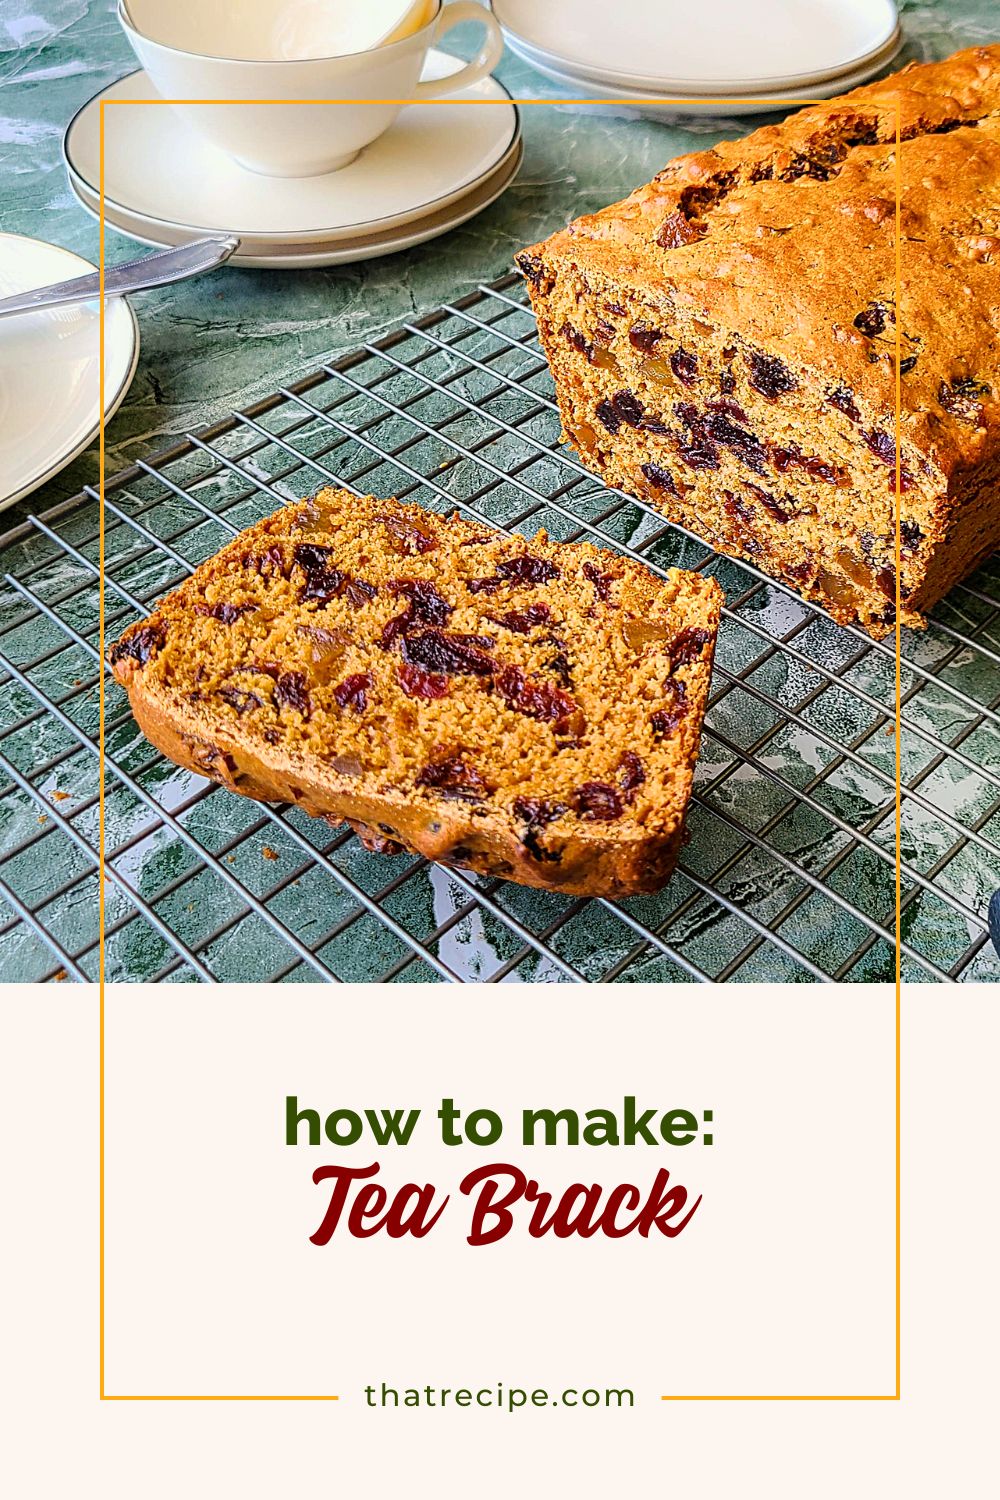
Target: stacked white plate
50	364
163	184
726	57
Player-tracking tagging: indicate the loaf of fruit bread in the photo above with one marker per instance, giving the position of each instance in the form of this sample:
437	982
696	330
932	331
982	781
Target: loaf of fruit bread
725	341
521	708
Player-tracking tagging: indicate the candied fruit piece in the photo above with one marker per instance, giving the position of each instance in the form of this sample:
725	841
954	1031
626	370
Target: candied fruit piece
596	802
687	645
439	651
792	457
359	592
536	813
531	268
656	367
644	337
326	646
961	398
537	810
910	536
428	605
677	230
855	569
290	691
139	645
523	620
242	699
417	683
660	478
873	319
685	366
886	580
639	633
224	612
409	536
602	581
628	407
534	699
770	375
882	444
666	719
577	340
838	590
608	417
843	399
781	507
631	773
348	765
353	691
521	569
454	778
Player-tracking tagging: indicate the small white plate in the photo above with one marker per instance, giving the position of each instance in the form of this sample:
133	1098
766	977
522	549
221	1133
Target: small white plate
671	46
654	105
594	82
49	368
157	168
340	252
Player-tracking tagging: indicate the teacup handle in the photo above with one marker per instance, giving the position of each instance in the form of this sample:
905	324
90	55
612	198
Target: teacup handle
481	66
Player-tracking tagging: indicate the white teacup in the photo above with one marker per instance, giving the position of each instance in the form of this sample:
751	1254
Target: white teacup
321	111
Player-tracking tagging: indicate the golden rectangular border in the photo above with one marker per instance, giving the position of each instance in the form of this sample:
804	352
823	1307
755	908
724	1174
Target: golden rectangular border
896	1394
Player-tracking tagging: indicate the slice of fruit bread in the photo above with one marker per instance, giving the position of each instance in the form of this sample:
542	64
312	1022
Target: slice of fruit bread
527	709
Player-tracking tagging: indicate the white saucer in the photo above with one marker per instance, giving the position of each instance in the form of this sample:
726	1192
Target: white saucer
49	368
729	46
157	169
654	104
338	252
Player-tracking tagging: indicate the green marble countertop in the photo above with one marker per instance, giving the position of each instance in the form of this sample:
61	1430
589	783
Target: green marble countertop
215	344
219	342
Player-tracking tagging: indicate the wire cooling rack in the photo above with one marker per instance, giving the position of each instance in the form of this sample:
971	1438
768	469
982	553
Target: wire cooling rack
790	866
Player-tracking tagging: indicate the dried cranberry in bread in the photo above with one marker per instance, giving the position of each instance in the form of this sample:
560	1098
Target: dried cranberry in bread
725	341
520	708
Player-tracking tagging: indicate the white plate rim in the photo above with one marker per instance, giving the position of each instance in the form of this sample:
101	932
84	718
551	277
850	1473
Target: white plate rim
710	88
703	85
306	236
260	244
316	257
111	406
728	104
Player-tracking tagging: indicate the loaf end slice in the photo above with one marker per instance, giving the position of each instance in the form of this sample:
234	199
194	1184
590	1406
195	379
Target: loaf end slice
520	708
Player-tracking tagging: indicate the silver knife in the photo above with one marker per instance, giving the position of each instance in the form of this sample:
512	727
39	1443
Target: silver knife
161	269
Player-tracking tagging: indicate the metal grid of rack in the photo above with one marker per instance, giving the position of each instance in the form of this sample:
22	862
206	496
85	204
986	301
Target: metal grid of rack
789	872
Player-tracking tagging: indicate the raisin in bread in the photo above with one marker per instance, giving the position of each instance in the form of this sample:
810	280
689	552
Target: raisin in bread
725	341
525	709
